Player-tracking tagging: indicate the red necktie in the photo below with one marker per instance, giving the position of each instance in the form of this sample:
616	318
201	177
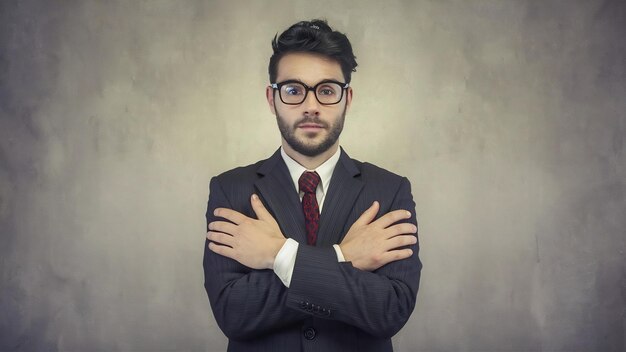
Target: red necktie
308	184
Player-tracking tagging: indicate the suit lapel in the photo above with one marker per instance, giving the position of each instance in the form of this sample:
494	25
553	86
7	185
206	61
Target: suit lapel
276	188
339	201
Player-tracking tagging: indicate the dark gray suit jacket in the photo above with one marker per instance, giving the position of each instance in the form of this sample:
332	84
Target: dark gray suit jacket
329	306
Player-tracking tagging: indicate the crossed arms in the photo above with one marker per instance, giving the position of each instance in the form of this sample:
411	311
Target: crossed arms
373	290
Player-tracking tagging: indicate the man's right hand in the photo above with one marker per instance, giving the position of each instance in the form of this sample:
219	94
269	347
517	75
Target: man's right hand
370	245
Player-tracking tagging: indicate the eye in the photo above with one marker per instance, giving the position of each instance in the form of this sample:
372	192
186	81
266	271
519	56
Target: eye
293	89
327	90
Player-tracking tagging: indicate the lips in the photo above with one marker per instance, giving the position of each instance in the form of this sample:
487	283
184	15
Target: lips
310	126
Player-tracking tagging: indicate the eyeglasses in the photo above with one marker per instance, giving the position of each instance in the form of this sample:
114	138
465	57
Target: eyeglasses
326	92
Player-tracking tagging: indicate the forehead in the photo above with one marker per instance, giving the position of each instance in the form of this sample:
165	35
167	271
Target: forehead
308	68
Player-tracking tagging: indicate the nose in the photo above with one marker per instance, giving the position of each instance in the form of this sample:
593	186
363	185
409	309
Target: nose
311	105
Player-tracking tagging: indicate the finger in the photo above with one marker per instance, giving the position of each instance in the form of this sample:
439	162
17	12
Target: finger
368	215
221	238
223	226
222	250
259	209
396	255
392	217
400	241
400	229
231	215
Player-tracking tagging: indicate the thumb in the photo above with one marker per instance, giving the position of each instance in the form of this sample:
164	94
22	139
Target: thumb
259	208
368	215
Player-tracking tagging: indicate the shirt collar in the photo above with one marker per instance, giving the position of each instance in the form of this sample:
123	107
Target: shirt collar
325	170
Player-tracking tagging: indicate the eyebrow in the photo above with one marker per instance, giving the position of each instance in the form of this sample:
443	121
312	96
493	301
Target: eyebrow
311	85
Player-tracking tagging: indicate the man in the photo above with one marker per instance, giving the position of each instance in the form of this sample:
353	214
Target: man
310	250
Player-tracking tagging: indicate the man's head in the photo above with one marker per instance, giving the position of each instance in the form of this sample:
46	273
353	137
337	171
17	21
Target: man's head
310	71
315	37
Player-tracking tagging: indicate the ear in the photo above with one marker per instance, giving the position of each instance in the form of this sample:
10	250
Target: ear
348	98
269	95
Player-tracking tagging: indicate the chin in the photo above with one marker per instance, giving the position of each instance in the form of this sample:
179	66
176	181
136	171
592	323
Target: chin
311	142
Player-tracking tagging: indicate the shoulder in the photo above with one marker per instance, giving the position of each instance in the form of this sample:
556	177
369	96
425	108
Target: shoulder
233	188
235	184
379	181
371	172
391	190
238	175
250	173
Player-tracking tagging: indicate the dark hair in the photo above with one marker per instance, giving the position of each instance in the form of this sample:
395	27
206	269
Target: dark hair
314	36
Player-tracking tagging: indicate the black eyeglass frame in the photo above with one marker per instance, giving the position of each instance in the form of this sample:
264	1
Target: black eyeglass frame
278	86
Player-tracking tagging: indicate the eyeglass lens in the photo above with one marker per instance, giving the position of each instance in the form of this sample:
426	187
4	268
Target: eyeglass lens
326	93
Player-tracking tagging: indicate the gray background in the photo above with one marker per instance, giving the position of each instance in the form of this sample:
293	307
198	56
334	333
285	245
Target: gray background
507	117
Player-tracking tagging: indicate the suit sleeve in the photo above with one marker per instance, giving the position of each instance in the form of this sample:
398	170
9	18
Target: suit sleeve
378	302
246	303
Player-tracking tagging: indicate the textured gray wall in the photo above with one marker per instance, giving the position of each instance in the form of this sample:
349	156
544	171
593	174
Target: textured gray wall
507	116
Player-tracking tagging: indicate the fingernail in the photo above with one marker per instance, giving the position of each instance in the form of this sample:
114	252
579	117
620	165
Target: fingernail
408	213
255	197
216	212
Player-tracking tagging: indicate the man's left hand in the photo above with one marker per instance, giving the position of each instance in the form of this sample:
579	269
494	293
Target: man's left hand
252	242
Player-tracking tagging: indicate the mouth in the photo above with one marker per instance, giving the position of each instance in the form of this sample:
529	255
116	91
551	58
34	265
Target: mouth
310	126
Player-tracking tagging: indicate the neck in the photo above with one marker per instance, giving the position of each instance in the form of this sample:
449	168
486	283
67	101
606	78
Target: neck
310	162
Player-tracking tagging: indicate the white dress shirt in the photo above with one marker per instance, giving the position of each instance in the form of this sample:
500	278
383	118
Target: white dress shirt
286	258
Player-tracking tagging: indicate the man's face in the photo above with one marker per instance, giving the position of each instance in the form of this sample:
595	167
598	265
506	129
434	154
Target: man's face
309	128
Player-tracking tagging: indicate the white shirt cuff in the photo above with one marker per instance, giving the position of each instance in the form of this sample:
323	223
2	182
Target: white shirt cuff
340	257
285	261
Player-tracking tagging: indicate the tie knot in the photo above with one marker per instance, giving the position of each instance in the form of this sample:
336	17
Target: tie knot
308	182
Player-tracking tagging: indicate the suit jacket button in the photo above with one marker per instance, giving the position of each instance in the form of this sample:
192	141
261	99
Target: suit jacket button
309	333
